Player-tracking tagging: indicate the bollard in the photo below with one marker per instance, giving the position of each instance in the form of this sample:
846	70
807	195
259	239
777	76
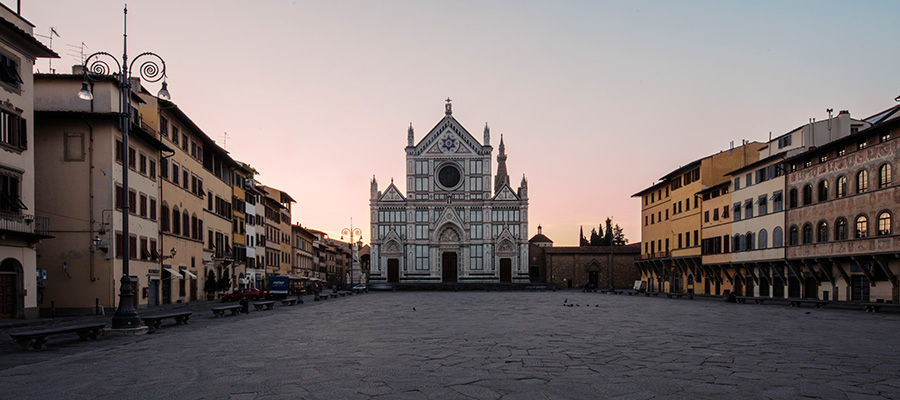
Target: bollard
245	306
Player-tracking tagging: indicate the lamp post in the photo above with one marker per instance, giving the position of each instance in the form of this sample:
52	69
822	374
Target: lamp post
354	256
153	69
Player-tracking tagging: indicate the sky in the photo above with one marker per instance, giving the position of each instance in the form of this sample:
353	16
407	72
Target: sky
596	100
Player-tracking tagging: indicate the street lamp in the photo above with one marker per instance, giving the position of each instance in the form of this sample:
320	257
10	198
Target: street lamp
354	255
153	69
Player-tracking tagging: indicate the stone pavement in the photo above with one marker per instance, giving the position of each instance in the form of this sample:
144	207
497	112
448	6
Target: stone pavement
484	345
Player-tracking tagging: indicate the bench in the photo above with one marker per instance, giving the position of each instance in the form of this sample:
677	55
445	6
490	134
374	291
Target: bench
220	310
37	338
648	294
288	302
154	321
743	299
334	295
675	295
875	307
267	304
815	302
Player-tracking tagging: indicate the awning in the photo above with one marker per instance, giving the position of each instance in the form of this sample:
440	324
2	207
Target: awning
761	199
175	274
776	196
297	278
737	207
748	203
189	273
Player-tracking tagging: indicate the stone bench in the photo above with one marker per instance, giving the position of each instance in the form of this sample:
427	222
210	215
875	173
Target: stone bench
875	307
675	295
267	305
816	302
37	338
154	321
288	302
756	300
220	310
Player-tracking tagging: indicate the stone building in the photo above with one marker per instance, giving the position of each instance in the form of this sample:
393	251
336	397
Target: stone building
450	226
577	266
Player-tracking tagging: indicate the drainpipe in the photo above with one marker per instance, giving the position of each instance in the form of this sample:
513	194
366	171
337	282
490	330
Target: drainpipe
90	193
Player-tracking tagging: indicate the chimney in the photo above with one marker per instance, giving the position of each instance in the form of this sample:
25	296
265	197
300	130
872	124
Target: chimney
135	84
78	69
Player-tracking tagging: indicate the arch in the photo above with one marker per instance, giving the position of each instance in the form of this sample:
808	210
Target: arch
185	223
884	223
748	241
862	181
807	233
777	237
840	187
822	231
506	247
793	235
822	194
840	229
762	238
12	278
792	198
807	194
884	176
736	243
862	226
393	247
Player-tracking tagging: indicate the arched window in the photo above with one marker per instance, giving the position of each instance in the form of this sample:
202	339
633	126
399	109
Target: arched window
823	191
777	237
176	221
794	236
840	229
194	234
762	239
164	217
792	198
884	176
748	240
822	231
807	195
862	181
807	233
862	226
884	223
841	187
186	221
736	244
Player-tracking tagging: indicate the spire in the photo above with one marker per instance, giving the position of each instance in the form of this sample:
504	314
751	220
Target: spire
539	229
502	177
487	135
448	109
410	139
581	237
373	189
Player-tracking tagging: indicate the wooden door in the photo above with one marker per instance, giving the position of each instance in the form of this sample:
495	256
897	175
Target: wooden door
393	270
506	270
193	289
7	295
448	267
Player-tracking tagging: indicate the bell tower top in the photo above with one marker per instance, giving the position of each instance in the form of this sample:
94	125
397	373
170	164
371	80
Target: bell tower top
448	109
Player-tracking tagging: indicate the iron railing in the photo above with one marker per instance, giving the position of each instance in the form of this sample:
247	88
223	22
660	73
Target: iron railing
24	223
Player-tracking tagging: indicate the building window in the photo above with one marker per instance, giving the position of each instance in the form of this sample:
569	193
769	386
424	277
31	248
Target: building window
738	244
762	204
794	236
477	257
884	176
807	195
175	134
10	192
840	229
164	217
725	212
792	198
176	172
823	191
862	226
763	239
884	223
777	202
176	221
885	137
422	257
143	205
841	187
807	233
861	145
74	146
862	181
777	237
822	232
9	71
153	209
163	127
132	158
748	209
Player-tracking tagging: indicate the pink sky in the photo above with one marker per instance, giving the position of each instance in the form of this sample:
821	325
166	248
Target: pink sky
596	100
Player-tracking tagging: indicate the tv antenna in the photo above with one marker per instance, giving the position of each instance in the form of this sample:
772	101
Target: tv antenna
50	38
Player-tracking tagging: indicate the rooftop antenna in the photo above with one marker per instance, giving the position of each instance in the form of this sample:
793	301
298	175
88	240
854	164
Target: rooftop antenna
50	38
225	140
77	51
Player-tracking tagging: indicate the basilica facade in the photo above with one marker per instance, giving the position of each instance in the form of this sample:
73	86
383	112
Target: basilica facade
454	224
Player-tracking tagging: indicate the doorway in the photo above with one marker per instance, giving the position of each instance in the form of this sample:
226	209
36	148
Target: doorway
777	287
7	295
859	288
811	287
153	299
166	282
506	270
448	267
593	278
793	287
393	270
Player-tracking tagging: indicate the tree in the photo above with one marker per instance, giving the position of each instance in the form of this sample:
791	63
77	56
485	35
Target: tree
595	238
582	241
209	285
619	236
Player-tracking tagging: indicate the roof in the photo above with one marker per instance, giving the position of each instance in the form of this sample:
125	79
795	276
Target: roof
884	123
685	168
726	183
136	130
757	163
633	248
30	44
650	189
539	238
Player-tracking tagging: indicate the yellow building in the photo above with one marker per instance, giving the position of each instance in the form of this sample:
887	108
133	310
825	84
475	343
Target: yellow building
715	239
671	256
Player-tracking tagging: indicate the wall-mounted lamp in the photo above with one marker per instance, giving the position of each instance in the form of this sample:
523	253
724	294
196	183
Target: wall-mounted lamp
100	244
172	252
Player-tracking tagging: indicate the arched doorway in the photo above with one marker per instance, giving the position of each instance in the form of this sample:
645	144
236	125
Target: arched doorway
11	290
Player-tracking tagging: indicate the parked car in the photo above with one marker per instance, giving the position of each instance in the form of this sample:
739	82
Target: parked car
360	286
252	294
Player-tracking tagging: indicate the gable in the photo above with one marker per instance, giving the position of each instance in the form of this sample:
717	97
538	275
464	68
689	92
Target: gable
448	137
506	194
392	194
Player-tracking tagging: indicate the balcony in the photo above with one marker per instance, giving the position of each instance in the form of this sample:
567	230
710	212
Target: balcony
25	224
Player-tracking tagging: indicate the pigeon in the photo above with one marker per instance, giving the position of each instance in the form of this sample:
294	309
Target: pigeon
414	309
565	301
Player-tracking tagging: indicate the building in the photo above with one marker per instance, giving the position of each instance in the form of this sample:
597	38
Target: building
582	266
79	153
21	279
671	255
278	231
304	256
450	226
842	241
715	241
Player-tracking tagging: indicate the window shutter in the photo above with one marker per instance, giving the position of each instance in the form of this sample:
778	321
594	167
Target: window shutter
22	126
